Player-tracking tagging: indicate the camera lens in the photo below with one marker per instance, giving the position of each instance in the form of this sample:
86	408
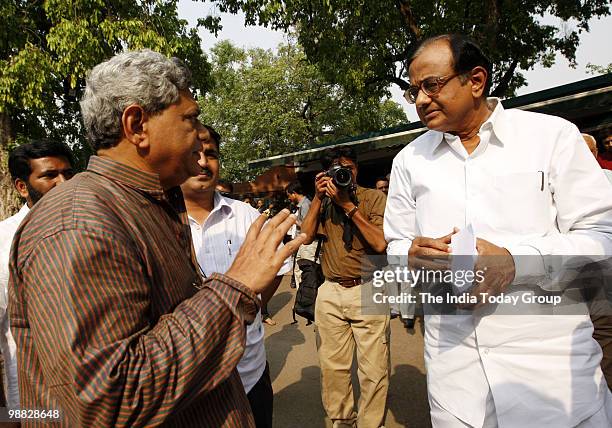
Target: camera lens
343	177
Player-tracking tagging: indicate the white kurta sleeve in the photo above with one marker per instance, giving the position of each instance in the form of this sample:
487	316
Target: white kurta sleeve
400	213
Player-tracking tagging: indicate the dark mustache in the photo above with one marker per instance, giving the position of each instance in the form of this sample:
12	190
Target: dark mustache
206	170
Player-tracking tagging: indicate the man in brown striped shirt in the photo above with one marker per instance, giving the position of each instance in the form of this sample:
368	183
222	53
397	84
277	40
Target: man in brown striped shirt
113	324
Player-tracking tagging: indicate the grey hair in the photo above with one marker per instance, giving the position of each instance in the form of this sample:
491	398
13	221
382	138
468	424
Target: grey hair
143	77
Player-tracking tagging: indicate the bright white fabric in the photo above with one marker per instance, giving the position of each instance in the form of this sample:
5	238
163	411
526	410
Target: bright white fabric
216	243
8	228
542	370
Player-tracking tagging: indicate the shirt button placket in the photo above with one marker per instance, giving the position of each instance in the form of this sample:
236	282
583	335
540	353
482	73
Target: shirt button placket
467	192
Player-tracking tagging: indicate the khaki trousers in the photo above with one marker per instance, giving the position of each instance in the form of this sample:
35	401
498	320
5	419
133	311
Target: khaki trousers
341	329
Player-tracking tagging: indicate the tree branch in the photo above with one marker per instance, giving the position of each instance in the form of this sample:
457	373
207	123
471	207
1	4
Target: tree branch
493	10
504	82
409	21
403	84
306	107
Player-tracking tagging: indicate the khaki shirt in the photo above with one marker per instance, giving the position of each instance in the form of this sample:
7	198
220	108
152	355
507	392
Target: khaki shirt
336	261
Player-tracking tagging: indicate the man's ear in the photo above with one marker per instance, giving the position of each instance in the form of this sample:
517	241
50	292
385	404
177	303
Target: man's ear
132	121
478	79
22	188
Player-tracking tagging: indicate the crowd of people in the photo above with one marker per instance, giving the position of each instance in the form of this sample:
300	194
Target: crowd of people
136	290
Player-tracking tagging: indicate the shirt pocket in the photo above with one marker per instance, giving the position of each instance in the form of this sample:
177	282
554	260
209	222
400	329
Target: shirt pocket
219	257
522	202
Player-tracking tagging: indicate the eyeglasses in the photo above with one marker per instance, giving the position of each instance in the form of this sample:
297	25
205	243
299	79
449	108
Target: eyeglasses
430	86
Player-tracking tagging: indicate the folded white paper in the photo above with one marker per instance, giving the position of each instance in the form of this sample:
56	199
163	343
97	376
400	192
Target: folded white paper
464	254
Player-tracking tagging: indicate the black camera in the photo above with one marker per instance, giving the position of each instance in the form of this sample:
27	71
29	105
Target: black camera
341	176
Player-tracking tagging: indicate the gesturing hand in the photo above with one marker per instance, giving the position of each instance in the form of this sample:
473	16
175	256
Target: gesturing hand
259	258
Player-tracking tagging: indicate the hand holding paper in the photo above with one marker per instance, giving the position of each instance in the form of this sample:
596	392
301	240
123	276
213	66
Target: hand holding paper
464	255
497	267
430	253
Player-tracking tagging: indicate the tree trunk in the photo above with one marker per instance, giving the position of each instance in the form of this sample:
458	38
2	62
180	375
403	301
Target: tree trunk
409	20
9	199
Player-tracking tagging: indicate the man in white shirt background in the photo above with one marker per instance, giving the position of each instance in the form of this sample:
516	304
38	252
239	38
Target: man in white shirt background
218	227
528	186
35	168
295	194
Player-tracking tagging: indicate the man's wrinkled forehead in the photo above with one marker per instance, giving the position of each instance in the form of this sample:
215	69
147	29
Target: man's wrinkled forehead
432	59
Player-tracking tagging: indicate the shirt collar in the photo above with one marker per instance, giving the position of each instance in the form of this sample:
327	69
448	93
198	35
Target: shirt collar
494	121
221	204
24	210
144	181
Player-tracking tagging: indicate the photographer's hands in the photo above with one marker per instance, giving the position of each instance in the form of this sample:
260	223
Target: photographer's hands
321	181
324	186
339	196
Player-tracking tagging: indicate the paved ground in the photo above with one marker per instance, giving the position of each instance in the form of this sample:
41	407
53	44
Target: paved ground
295	371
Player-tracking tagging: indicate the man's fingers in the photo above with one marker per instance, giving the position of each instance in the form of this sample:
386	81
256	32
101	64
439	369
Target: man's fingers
481	246
276	229
434	247
291	247
255	228
284	227
273	223
447	238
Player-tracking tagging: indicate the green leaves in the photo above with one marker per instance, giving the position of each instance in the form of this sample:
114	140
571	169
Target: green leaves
266	103
47	47
598	69
24	79
363	45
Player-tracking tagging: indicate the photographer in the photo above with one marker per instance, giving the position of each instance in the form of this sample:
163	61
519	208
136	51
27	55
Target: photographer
350	218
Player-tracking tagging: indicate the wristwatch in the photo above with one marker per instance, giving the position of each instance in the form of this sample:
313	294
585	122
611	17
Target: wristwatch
352	212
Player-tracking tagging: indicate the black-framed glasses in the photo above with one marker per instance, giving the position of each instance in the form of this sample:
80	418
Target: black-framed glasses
430	86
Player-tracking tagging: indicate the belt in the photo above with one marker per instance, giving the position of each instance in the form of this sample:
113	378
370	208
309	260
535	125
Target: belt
352	282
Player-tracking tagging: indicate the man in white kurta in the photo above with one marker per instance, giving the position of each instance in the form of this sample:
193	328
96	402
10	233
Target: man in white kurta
528	186
8	228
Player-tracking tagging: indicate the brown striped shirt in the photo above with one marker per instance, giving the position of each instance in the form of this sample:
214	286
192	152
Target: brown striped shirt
104	305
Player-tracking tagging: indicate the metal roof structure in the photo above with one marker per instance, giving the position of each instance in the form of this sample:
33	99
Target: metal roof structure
587	103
